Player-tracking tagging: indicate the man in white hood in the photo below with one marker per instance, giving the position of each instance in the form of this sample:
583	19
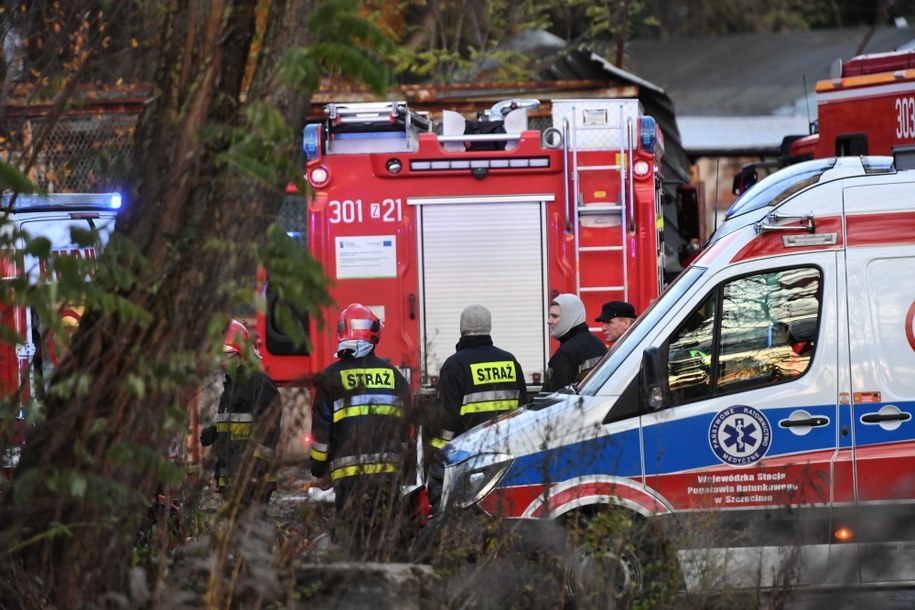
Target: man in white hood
579	350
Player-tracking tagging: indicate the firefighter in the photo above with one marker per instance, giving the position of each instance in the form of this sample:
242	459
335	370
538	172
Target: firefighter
475	384
248	423
579	350
360	434
615	319
479	381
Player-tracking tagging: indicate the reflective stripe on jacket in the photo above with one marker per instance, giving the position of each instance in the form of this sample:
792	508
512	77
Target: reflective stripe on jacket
359	419
477	383
243	405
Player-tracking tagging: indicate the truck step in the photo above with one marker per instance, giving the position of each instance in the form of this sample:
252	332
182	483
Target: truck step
600	249
588	209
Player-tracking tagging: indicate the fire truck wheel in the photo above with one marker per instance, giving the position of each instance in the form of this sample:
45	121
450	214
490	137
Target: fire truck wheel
616	558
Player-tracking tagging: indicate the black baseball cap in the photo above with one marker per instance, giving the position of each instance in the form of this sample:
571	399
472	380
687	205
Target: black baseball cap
615	309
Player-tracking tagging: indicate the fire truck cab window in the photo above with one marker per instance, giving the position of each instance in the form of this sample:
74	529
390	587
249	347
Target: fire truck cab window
749	333
851	144
293	218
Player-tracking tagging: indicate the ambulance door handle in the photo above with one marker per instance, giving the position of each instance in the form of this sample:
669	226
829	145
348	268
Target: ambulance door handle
412	299
810	422
875	418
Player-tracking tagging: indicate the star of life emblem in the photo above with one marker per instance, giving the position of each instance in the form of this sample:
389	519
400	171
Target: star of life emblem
740	435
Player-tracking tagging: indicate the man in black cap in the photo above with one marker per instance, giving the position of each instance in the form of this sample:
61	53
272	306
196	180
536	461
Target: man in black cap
615	319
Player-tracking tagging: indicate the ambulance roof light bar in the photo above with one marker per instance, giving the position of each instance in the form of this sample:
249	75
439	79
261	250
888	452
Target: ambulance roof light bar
11	202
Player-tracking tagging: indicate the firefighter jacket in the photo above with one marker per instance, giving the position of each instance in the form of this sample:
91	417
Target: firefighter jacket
477	383
359	420
579	351
246	402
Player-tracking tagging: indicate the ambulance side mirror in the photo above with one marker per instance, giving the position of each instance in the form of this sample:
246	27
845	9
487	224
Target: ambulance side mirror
651	379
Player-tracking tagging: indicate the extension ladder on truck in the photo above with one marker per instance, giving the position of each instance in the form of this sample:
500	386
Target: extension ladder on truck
368	127
598	137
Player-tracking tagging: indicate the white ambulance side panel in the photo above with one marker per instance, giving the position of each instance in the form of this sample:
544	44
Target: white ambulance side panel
880	233
689	461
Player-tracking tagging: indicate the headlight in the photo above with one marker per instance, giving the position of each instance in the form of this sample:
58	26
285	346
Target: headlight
468	482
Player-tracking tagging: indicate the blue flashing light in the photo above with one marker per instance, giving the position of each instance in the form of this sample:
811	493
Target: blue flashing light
311	139
60	201
648	134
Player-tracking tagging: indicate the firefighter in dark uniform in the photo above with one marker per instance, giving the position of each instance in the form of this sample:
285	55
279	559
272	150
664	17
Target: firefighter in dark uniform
479	381
248	424
360	434
475	384
579	350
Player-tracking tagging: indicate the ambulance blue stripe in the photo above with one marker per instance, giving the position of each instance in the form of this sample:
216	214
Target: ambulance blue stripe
873	434
686	448
595	456
686	441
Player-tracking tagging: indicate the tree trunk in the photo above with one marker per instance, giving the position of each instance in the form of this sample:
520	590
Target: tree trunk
192	222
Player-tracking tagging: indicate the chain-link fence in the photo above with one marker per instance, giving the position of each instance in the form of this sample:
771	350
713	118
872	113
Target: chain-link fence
85	150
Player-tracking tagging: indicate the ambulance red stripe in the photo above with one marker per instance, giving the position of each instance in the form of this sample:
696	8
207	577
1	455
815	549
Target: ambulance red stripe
880	229
771	243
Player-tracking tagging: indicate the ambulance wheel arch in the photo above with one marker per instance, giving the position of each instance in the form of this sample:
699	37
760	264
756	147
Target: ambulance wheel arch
612	546
596	493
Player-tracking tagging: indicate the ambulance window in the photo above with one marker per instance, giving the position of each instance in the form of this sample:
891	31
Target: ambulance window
749	333
768	328
689	354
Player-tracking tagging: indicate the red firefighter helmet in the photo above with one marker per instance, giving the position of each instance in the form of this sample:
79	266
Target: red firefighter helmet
236	337
358	322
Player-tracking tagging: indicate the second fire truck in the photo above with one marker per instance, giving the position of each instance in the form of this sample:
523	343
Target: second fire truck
866	107
417	218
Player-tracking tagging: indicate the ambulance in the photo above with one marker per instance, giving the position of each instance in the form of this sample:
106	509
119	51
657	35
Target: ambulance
417	217
759	415
28	359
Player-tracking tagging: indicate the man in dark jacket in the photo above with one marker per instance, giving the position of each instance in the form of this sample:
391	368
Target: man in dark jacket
248	424
579	350
360	433
475	384
479	381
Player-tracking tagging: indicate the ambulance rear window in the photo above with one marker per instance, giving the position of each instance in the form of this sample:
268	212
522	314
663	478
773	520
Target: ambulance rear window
774	189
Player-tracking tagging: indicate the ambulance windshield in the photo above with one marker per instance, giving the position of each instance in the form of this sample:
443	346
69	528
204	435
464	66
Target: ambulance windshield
773	189
635	336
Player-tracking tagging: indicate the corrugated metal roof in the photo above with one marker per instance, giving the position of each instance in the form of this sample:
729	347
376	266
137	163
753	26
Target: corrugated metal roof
726	136
742	94
751	74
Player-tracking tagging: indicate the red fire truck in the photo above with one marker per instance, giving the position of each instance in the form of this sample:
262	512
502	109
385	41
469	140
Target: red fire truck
866	107
417	218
